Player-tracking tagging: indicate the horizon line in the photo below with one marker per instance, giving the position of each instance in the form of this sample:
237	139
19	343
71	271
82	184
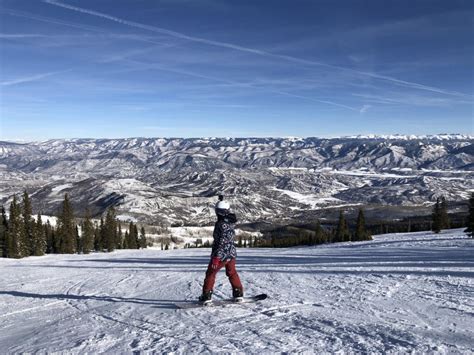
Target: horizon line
352	136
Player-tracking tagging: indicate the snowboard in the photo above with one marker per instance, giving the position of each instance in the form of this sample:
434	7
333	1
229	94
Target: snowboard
216	303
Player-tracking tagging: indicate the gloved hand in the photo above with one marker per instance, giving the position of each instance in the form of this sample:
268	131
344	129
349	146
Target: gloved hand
215	263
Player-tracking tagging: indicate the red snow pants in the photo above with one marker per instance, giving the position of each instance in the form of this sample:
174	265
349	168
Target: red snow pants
230	271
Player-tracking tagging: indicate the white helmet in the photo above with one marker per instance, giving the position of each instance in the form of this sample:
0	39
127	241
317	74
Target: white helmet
222	205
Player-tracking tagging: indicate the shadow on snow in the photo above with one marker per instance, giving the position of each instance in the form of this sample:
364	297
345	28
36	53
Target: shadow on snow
167	304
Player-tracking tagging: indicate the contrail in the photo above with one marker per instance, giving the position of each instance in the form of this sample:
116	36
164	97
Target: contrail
155	66
253	50
20	35
73	25
29	78
235	83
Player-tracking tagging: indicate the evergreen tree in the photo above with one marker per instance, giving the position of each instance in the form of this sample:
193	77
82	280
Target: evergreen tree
56	240
361	232
39	237
436	217
443	214
98	239
126	239
3	234
132	242
342	232
119	236
319	235
66	231
49	235
142	240
78	240
26	235
15	230
87	234
110	229
135	233
470	220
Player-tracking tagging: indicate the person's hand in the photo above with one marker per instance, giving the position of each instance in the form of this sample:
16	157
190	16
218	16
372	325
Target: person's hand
215	263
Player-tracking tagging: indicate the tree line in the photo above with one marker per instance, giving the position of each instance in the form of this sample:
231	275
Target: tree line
288	236
315	234
21	235
439	217
470	219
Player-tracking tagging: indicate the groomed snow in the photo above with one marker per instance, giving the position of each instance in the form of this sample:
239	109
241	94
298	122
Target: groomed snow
399	293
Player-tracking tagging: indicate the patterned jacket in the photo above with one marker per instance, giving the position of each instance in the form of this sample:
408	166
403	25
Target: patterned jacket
224	236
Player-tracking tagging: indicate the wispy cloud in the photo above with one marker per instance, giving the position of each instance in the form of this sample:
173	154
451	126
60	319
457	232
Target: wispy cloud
48	20
365	108
20	35
412	100
94	29
179	35
143	66
123	56
31	78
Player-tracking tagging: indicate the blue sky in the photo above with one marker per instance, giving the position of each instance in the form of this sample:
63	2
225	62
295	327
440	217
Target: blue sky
200	68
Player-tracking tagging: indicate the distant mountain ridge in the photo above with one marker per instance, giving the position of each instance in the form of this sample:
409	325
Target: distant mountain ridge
174	180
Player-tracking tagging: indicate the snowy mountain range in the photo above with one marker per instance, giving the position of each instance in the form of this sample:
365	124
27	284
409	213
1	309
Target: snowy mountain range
176	180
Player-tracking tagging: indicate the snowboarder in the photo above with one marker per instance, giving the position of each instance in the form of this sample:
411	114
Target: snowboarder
223	253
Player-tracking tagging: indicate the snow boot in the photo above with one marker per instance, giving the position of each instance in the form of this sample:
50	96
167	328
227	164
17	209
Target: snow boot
238	294
206	297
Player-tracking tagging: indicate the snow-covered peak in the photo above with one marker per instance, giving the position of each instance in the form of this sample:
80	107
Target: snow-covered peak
443	136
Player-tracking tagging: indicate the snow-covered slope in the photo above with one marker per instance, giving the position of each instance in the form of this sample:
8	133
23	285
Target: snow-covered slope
400	293
175	181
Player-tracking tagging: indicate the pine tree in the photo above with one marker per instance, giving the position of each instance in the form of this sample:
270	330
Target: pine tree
87	234
78	240
110	229
66	231
15	227
135	234
56	240
98	234
142	240
39	237
443	214
3	234
361	232
49	235
126	239
436	217
342	232
319	236
119	236
470	220
132	240
26	235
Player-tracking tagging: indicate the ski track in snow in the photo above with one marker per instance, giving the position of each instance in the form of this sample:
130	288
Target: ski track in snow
398	293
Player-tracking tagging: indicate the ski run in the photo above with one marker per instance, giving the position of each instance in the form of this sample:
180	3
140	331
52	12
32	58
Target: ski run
396	294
